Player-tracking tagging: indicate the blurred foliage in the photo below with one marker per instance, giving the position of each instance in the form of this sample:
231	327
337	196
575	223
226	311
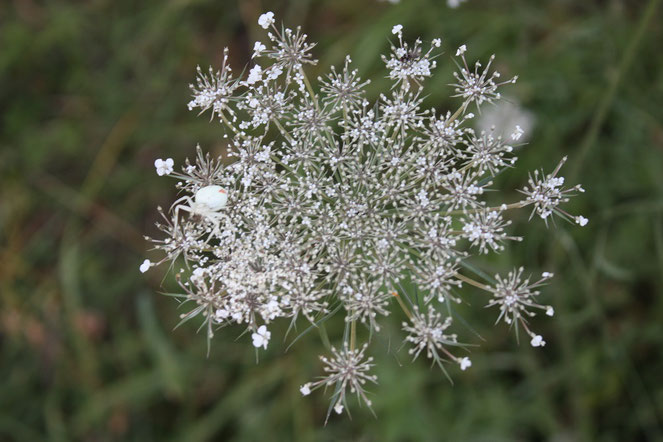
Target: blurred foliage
92	92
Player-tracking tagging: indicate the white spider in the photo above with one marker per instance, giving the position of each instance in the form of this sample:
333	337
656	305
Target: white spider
207	202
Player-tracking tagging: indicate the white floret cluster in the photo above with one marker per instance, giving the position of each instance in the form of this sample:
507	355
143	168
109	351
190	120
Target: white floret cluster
329	205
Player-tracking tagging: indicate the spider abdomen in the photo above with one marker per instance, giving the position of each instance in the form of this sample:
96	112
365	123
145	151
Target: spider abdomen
213	197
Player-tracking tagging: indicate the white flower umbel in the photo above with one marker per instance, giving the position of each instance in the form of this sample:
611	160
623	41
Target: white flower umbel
347	370
547	192
516	299
330	206
480	85
428	332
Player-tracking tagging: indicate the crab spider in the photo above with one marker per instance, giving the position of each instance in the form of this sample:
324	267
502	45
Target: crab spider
207	202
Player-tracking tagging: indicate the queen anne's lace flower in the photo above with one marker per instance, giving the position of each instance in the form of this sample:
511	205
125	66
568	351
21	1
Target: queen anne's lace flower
330	204
427	332
214	90
516	298
479	85
547	192
346	370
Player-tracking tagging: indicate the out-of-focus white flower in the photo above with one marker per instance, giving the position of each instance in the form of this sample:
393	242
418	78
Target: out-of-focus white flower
397	30
517	133
507	117
465	363
455	3
461	50
164	167
450	3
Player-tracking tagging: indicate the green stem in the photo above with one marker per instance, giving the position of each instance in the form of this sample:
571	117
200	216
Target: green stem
403	306
231	127
605	105
353	334
473	282
458	112
518	205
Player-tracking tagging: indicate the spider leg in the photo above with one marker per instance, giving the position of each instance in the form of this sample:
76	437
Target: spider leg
186	198
177	209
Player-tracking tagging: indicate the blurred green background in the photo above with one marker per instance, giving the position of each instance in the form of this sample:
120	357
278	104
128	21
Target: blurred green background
91	92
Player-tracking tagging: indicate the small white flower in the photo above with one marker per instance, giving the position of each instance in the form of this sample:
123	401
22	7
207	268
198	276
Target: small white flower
547	275
274	72
164	167
465	363
338	408
305	389
255	75
266	20
222	314
461	50
258	47
145	266
537	341
437	42
261	337
550	311
198	273
582	220
397	30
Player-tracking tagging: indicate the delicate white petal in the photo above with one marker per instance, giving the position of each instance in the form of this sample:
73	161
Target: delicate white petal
145	266
537	341
266	20
305	389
